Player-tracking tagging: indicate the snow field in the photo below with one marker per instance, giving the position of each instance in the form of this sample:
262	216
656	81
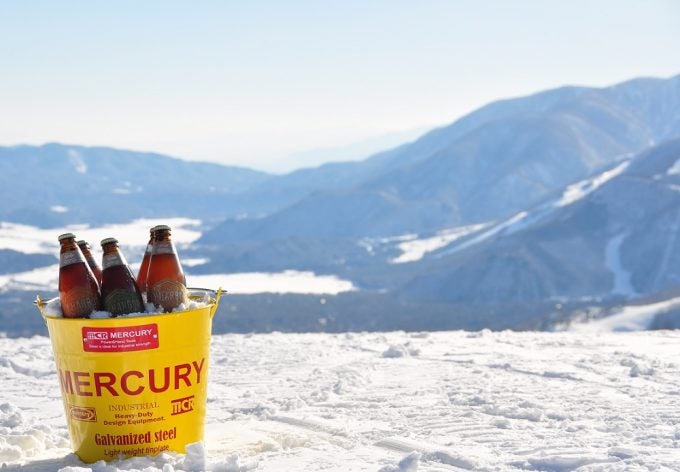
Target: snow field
133	237
393	402
288	281
413	249
135	234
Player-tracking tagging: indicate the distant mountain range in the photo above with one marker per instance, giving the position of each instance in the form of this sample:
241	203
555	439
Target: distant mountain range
618	240
56	184
567	198
490	164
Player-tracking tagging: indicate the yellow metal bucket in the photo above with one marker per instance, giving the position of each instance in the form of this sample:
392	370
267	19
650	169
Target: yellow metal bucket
133	386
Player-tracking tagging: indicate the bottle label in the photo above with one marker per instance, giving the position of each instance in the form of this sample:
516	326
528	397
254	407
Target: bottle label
163	247
111	260
167	293
121	302
70	257
120	339
79	302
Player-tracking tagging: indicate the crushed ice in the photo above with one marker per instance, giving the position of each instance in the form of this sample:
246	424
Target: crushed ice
53	309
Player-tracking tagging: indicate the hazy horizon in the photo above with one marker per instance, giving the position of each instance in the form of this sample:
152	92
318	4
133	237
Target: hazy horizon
276	87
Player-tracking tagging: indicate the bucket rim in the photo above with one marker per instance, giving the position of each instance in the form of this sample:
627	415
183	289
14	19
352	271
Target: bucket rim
215	296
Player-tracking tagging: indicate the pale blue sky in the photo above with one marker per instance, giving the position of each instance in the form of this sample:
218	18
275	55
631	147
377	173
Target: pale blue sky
250	83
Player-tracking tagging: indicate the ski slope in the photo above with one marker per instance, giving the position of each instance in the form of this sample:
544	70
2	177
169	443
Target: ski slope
390	402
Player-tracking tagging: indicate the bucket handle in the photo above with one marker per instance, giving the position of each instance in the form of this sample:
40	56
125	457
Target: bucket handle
216	294
213	309
40	303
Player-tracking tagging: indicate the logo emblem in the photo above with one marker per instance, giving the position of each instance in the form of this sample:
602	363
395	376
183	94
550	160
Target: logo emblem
83	413
96	335
182	405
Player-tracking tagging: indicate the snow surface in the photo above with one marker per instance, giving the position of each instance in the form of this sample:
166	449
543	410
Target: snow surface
523	219
42	278
135	234
289	281
133	237
194	262
77	161
622	278
508	226
674	169
628	318
450	401
580	189
414	249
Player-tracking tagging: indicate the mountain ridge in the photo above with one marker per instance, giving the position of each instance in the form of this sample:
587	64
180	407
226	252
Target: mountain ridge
578	129
58	184
631	223
571	194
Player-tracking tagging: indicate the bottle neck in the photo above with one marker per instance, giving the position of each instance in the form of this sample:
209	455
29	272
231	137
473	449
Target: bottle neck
68	245
149	245
163	247
70	254
112	257
89	257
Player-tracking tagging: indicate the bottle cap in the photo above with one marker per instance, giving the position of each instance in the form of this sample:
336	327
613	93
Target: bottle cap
109	240
66	236
82	242
161	227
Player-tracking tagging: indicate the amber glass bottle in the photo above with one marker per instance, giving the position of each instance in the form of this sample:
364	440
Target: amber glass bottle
120	293
78	288
144	267
165	284
94	267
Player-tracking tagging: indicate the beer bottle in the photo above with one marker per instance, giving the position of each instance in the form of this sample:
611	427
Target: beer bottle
120	293
96	270
144	267
165	284
78	288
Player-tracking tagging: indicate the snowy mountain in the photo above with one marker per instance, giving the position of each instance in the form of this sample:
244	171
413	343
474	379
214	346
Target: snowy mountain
555	208
614	235
56	184
390	402
491	164
519	215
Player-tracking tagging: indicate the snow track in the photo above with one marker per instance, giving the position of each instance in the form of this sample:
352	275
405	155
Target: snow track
451	401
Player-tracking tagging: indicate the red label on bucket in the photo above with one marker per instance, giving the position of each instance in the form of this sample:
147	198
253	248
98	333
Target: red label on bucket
130	338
